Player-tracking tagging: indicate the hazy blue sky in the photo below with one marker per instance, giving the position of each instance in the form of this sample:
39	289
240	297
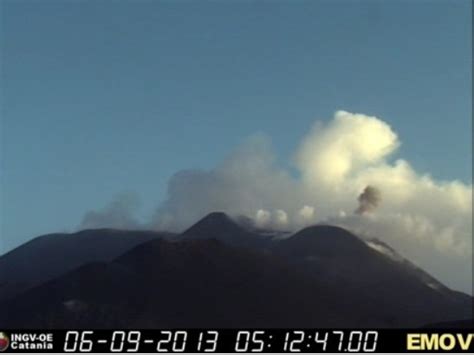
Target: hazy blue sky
100	97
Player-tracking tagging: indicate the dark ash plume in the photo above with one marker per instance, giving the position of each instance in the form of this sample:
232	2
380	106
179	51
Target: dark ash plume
369	199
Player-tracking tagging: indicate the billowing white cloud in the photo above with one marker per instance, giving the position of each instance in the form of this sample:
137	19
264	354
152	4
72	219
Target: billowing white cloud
350	142
426	220
244	183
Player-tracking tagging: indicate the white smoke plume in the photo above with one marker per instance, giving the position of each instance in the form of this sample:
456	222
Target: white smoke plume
117	214
426	220
262	219
305	216
280	219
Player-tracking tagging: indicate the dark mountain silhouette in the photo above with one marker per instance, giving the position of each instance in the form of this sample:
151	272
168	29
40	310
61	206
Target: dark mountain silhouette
323	276
51	255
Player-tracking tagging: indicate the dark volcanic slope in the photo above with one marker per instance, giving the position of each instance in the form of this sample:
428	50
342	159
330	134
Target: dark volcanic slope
51	255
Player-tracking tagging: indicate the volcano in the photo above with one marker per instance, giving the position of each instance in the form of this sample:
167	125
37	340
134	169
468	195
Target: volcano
218	274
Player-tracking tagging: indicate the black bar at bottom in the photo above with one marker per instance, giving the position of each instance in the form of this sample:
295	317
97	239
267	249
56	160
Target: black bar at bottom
238	340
